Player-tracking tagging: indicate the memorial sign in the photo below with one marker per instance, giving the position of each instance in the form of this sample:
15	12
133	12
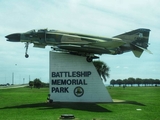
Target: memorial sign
73	79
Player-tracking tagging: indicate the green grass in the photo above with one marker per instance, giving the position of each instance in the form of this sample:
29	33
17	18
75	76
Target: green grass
29	104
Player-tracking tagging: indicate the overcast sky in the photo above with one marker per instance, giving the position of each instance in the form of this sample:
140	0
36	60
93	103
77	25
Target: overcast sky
94	17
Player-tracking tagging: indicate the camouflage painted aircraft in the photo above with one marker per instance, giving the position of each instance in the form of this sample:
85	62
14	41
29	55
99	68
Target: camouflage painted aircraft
85	45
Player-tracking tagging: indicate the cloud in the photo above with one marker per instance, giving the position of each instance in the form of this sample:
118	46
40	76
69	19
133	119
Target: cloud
117	66
125	67
80	16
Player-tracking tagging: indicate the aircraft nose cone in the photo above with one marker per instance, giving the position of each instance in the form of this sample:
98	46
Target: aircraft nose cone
13	37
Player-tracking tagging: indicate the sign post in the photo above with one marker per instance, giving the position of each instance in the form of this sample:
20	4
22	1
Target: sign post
73	79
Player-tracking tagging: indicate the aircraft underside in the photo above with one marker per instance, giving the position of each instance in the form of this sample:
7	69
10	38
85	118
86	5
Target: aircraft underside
89	51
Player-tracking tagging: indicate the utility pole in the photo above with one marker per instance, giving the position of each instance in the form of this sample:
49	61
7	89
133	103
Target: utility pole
23	80
29	79
13	75
12	78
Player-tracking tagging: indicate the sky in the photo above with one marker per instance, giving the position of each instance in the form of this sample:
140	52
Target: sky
94	17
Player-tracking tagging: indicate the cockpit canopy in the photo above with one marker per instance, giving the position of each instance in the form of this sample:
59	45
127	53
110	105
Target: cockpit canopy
40	31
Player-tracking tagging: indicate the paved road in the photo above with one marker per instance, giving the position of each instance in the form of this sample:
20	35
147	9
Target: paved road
13	86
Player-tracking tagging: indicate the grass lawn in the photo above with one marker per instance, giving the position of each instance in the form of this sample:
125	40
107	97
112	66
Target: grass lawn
29	104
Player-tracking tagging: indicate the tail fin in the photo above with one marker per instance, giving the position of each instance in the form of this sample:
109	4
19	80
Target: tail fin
137	39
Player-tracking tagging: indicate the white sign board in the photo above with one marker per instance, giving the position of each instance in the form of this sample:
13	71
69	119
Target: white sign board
73	79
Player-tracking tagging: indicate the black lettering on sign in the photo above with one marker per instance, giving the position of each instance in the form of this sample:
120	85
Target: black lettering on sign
69	82
60	90
71	74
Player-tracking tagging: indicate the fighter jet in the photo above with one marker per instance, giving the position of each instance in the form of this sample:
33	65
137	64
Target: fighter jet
85	45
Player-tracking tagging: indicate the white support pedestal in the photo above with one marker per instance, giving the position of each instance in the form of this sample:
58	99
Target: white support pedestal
73	79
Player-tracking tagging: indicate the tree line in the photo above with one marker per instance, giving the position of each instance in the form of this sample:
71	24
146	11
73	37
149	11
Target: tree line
135	81
103	71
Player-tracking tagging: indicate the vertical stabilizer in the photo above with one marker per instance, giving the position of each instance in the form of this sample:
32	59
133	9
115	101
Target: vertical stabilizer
137	39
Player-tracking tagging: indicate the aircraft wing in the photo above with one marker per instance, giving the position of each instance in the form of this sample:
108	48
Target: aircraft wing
113	43
73	42
99	46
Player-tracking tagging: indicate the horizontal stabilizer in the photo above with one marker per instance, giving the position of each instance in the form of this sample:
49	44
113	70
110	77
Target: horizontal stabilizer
137	50
144	49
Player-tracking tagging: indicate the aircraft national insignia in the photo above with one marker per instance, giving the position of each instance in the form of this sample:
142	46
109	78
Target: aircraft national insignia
78	91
